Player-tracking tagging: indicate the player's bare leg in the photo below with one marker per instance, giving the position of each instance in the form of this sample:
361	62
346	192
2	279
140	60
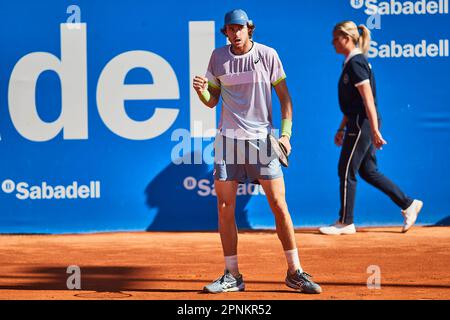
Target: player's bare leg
232	280
226	204
276	195
296	278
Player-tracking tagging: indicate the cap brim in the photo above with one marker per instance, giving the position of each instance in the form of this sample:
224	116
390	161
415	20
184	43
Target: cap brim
239	22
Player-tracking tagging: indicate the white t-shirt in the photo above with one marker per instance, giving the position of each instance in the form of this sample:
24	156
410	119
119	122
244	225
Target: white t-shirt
246	84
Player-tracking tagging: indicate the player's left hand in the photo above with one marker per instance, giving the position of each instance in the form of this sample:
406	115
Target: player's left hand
286	143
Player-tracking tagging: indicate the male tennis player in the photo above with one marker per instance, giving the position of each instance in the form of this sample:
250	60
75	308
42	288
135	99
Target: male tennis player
243	74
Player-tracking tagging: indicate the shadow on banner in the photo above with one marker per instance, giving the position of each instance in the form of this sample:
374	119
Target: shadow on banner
444	222
188	209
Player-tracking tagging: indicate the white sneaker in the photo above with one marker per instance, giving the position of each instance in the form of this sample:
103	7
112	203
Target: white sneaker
338	229
411	214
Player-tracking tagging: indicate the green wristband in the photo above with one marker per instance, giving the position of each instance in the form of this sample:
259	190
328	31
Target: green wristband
206	95
286	127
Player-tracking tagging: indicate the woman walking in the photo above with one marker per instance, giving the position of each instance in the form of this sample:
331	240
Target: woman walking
359	133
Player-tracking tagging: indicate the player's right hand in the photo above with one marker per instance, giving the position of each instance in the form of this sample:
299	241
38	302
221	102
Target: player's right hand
200	84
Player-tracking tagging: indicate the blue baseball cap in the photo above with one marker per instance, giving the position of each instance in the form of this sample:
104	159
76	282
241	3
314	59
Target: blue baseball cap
237	16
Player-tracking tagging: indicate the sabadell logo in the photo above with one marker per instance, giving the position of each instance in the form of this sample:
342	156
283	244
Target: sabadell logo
45	191
205	188
423	49
395	7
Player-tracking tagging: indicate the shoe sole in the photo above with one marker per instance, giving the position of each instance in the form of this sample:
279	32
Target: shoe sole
419	208
346	233
295	287
238	289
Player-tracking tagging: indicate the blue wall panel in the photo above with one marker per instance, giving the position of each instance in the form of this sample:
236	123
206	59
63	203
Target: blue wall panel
139	185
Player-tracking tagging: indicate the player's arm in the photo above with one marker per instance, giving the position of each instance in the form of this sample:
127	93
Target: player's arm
207	93
282	92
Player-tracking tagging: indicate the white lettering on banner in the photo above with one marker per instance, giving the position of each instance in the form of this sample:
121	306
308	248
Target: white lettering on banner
44	191
421	50
72	71
206	188
395	7
112	93
201	45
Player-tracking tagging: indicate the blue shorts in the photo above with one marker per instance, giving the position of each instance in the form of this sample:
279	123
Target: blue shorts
245	161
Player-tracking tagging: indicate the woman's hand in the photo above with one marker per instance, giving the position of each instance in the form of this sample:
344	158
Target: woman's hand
339	138
378	140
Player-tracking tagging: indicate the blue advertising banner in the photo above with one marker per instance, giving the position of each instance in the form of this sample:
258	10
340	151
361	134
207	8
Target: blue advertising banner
101	130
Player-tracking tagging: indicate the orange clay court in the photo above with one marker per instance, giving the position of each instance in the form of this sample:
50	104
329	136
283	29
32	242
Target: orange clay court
171	266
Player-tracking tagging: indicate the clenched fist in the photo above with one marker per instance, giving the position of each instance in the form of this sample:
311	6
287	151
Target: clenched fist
200	84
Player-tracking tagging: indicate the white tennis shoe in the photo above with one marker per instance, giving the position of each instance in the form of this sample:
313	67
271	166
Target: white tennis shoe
338	229
411	214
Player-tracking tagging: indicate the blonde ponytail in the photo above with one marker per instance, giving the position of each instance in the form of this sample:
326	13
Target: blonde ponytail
364	39
360	35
